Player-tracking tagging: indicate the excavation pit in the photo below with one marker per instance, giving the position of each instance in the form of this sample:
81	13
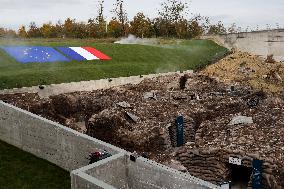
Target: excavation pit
126	116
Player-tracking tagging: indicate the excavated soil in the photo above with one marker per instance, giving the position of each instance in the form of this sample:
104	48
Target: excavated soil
247	69
155	103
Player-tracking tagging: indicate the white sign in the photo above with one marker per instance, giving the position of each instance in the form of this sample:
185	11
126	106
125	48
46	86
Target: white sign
235	161
225	186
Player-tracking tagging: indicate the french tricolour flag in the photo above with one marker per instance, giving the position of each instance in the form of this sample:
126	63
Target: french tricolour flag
83	53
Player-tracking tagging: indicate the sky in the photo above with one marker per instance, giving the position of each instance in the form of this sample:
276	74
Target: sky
253	13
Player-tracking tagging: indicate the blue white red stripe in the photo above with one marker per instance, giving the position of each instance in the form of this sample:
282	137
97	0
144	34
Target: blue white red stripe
83	53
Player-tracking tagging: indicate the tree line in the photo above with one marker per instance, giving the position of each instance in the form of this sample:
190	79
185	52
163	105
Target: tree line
173	20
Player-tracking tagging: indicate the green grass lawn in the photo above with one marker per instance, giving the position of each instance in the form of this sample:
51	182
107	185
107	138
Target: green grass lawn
21	170
127	60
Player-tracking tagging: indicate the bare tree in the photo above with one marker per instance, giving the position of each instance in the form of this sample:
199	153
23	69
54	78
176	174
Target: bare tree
216	29
101	21
120	15
232	28
172	12
100	17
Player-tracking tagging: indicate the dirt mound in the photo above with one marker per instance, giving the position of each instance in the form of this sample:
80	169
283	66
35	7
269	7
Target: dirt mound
65	104
79	105
105	125
251	70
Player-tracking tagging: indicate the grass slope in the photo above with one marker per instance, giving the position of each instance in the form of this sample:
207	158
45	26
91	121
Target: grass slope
21	170
127	60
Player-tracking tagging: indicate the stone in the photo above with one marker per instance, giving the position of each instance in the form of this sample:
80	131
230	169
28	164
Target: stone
180	96
264	76
124	104
150	95
241	120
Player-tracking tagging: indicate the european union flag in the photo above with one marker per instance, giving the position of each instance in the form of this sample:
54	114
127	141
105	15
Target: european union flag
27	54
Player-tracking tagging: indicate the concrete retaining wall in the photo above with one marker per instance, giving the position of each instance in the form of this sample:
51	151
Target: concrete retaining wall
56	89
48	140
114	172
120	172
148	174
70	149
260	43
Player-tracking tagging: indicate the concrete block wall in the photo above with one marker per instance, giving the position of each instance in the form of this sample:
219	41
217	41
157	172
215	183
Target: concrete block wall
56	89
84	181
148	174
48	140
113	172
120	172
